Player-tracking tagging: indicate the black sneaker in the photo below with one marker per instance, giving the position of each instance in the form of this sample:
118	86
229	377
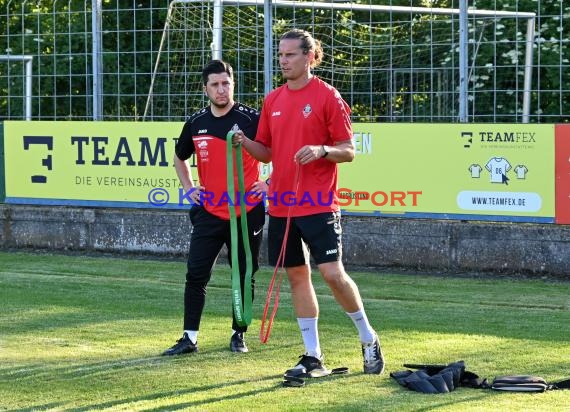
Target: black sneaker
182	346
237	344
373	357
308	366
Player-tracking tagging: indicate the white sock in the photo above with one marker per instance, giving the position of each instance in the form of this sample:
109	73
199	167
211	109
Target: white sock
192	334
365	331
310	334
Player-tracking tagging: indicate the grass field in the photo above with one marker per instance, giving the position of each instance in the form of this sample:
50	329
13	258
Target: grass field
85	333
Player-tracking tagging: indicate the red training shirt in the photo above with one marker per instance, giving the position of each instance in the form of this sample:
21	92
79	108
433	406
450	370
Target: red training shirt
290	119
205	135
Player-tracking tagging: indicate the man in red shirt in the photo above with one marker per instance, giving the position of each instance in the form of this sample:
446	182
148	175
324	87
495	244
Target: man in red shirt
305	130
204	135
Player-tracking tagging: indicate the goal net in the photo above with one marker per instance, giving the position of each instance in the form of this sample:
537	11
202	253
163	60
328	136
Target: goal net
389	63
187	45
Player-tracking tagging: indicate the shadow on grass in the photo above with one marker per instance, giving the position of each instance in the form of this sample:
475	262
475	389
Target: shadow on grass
210	400
77	371
45	406
178	393
81	371
213	398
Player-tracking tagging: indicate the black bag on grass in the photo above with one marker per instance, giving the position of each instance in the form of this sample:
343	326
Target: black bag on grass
526	383
447	378
437	378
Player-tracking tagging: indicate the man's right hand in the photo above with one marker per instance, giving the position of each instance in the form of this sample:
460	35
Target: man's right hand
238	138
195	195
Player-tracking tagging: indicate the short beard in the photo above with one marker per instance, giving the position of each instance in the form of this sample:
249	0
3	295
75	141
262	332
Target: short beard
220	106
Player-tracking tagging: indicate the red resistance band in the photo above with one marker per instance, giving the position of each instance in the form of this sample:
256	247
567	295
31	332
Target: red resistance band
264	337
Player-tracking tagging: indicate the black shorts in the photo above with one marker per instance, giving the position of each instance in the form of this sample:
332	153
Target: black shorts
321	233
210	233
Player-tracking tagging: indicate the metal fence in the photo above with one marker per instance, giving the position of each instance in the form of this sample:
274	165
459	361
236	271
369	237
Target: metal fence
393	61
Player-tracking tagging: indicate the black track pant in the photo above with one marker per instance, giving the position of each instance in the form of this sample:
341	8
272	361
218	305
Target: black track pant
209	235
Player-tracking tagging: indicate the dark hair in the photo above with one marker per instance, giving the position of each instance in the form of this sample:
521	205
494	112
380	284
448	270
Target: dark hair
307	43
216	67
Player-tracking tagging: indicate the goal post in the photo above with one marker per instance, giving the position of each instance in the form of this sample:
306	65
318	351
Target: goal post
391	63
27	97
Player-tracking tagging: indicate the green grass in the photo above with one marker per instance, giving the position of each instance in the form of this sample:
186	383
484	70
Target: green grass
84	333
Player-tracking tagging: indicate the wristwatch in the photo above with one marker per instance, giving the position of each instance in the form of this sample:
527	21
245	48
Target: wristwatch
326	151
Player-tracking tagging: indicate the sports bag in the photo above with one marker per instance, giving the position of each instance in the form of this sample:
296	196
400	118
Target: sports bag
447	378
519	383
526	383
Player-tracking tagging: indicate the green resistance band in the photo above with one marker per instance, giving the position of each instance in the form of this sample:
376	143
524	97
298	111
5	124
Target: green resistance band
242	310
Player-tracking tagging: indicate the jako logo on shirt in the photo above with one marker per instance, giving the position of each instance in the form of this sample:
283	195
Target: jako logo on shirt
202	131
330	252
275	114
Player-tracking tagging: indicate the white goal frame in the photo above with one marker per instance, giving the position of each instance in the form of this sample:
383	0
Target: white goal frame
27	60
